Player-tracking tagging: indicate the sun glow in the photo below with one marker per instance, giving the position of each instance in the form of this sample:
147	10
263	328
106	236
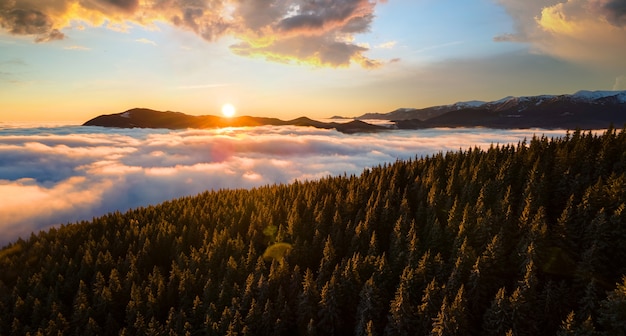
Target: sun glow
228	110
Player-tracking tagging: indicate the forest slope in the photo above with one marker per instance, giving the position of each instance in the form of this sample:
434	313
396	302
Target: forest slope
527	238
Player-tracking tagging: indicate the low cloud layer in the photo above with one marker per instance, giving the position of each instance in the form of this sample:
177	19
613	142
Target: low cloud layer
585	31
60	175
316	32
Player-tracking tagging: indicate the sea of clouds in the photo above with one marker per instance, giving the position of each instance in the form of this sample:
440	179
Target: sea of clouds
63	174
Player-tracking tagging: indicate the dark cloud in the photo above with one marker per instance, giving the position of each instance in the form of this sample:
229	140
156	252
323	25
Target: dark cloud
308	32
358	24
200	17
52	35
340	53
257	15
267	26
62	175
320	16
127	5
302	22
110	9
615	11
29	22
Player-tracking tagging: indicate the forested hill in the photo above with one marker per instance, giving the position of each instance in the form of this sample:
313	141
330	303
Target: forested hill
526	239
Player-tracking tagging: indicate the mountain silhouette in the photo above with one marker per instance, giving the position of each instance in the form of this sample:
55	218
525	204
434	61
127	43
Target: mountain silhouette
147	118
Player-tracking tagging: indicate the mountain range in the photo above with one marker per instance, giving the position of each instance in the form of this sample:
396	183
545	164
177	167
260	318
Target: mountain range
584	109
147	118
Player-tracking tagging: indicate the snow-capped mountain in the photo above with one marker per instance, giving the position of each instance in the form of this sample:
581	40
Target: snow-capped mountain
600	96
421	114
583	109
580	97
510	103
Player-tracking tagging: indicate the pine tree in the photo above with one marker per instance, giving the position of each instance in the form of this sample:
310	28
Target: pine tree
453	318
570	327
329	315
613	310
307	301
402	319
81	310
370	308
497	319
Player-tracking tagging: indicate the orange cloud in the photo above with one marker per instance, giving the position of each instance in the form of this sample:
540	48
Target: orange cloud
305	32
554	20
265	28
312	50
585	31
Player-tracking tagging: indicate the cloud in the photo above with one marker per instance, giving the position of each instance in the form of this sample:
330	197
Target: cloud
32	204
387	45
29	22
75	47
67	174
620	83
615	11
267	28
584	31
314	50
146	41
316	18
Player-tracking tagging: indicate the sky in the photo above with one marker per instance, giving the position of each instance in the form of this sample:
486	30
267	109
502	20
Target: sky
71	60
57	175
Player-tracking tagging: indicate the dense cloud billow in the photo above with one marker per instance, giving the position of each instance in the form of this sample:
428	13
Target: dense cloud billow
268	28
50	176
615	11
585	31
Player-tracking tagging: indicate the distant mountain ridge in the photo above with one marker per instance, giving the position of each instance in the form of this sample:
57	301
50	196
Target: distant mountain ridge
147	118
583	109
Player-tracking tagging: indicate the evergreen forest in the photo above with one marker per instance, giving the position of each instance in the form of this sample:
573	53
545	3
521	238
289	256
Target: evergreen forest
521	239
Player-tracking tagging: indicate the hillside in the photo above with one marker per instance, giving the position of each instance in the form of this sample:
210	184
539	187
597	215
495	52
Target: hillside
519	239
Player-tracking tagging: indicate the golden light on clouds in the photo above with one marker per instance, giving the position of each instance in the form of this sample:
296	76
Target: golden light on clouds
589	32
553	19
269	29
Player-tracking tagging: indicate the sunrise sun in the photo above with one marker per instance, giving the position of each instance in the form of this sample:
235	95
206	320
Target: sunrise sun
228	110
